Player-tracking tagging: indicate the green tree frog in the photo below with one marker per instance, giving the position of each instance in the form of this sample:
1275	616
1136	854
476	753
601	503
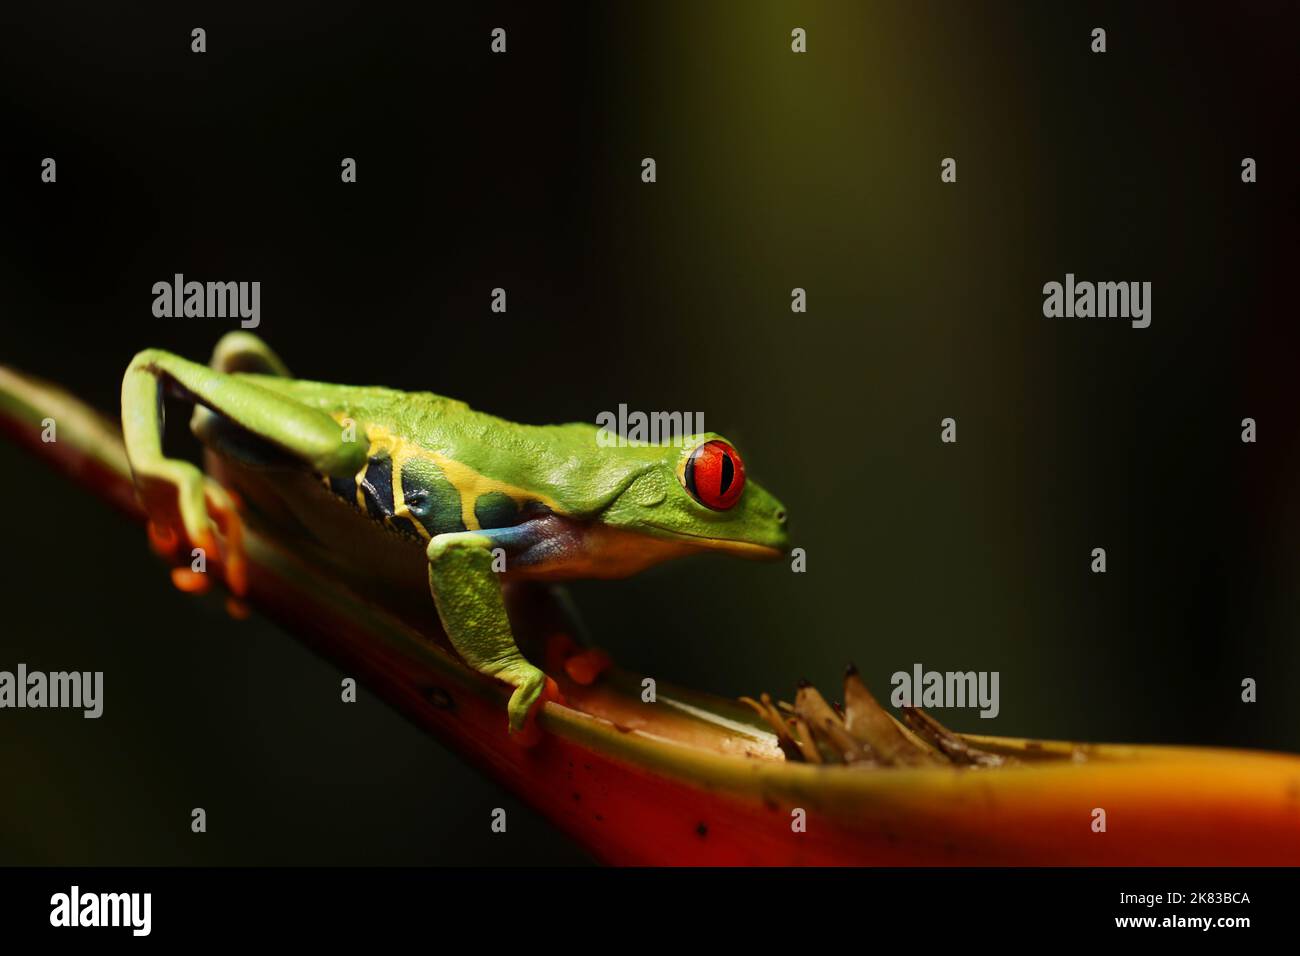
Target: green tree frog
393	484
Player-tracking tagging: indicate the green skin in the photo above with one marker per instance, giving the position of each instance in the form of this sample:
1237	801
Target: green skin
489	500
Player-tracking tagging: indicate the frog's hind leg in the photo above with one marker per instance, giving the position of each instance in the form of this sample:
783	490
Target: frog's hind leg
177	496
239	352
582	662
245	352
564	639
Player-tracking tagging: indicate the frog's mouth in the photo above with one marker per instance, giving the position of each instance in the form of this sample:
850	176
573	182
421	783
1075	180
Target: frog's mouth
748	549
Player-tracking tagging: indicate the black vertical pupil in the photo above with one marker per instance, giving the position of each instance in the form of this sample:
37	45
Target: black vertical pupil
728	473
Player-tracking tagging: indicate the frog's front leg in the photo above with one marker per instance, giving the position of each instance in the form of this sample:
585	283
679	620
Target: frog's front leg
467	592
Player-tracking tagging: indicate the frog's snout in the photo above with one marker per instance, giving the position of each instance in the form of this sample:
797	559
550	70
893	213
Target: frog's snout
780	532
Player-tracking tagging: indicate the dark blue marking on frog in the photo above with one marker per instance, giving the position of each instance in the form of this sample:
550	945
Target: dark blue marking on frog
377	487
345	488
431	499
496	509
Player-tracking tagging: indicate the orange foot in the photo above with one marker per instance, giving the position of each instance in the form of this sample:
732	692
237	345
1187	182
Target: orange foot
585	666
582	665
164	541
223	506
223	509
190	581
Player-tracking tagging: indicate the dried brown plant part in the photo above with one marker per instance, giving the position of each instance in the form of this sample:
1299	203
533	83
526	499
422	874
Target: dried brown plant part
916	741
803	737
772	716
948	743
868	722
828	727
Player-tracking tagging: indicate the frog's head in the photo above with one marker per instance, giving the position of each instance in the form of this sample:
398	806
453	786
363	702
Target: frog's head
698	497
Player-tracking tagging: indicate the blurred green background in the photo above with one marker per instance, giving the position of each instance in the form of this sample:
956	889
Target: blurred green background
775	171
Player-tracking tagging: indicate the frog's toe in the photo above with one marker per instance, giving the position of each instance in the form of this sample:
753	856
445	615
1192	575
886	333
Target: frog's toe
585	666
223	506
237	609
164	540
190	581
582	664
172	495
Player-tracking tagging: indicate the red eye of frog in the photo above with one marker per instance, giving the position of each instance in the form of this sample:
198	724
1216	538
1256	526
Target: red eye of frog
715	475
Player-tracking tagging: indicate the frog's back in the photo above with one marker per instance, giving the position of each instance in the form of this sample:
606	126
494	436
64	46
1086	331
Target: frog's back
407	412
434	465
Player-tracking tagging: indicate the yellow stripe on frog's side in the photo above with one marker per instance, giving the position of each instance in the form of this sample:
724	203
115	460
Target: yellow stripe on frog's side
384	443
469	483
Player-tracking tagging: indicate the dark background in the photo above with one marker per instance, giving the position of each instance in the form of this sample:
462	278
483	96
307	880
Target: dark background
775	170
